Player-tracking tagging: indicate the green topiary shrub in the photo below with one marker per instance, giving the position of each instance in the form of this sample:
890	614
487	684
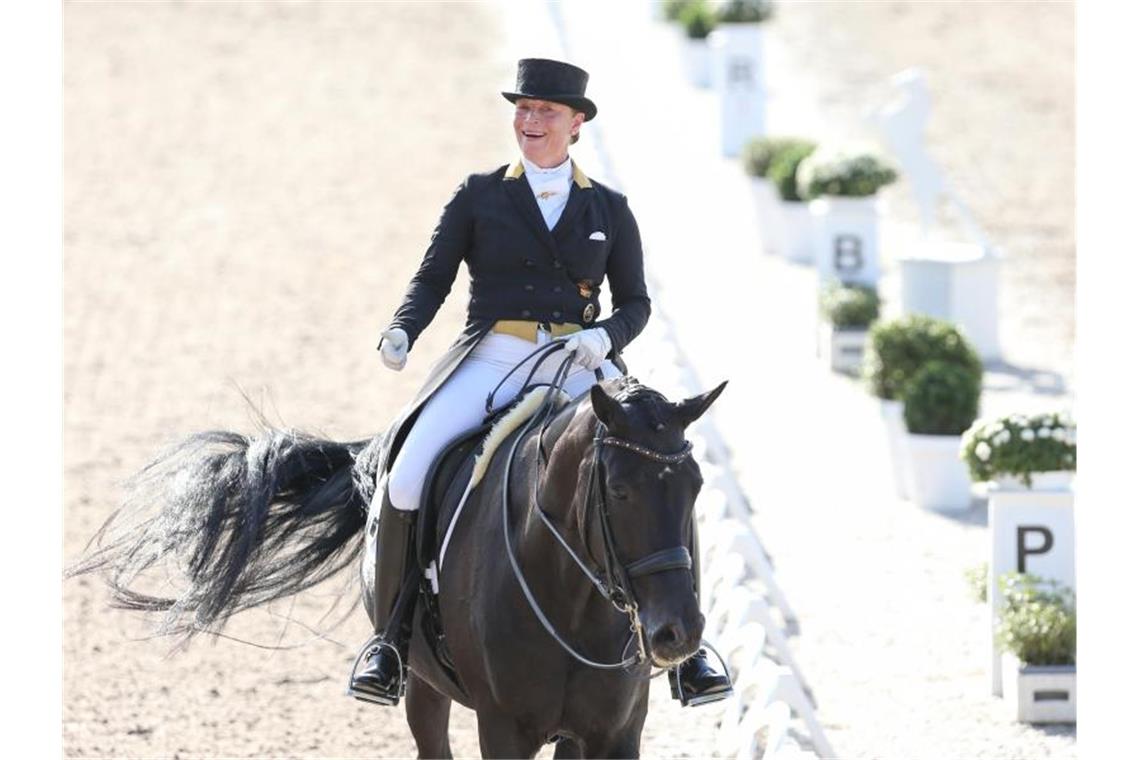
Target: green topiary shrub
697	19
849	307
899	347
759	152
849	171
941	399
782	171
744	11
1020	445
673	8
1038	620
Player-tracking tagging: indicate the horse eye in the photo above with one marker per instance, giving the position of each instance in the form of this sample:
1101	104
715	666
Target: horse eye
619	492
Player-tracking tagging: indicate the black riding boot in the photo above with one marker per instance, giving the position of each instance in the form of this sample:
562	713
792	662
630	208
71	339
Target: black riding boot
381	679
695	681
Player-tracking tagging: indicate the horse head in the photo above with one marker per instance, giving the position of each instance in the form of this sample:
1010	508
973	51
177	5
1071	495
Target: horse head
638	514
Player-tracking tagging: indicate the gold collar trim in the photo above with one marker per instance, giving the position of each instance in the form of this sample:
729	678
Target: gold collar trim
580	179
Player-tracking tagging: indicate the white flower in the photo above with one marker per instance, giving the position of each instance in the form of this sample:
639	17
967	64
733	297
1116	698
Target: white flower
1059	434
982	451
1045	432
1071	436
1027	434
1002	437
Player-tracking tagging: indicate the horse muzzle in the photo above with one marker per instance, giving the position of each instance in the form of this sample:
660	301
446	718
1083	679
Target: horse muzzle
673	641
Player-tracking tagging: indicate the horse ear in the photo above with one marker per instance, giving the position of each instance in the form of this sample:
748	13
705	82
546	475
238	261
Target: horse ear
691	408
607	409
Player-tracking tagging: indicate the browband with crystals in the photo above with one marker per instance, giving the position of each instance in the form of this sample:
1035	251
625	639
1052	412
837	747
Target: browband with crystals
650	453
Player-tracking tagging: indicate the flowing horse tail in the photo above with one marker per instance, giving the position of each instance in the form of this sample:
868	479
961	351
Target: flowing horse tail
248	519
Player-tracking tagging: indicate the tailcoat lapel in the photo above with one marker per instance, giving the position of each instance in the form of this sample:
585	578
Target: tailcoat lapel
521	194
575	205
581	191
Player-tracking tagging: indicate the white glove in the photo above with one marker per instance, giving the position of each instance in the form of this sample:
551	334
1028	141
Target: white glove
589	347
394	348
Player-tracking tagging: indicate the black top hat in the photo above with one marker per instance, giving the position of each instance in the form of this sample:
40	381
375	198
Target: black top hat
559	82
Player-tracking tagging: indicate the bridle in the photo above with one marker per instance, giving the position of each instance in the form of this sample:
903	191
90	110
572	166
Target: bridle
614	582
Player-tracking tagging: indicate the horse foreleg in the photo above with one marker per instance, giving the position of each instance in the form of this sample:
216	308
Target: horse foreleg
504	736
429	713
623	742
568	748
627	745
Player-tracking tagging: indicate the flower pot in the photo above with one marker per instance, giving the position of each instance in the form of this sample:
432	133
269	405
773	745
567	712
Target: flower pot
767	204
846	239
940	478
842	348
697	59
797	224
892	414
738	78
1039	693
1053	480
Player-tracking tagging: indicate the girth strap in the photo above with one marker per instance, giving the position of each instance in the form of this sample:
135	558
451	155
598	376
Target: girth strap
677	558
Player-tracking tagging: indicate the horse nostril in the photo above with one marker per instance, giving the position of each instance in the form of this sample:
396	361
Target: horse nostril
666	637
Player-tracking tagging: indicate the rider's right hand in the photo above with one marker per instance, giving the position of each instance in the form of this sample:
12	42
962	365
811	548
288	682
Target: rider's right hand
394	348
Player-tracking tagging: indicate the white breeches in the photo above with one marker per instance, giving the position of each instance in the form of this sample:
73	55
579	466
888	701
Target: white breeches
460	404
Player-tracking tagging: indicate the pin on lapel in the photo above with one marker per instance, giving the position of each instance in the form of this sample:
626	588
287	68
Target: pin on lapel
598	235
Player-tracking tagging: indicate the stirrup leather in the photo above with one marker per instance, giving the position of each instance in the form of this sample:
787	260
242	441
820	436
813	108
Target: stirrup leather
371	647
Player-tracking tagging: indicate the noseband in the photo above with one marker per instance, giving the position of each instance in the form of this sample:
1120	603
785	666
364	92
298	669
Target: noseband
615	583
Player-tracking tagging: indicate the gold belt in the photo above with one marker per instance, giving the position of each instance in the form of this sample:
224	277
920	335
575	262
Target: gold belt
528	330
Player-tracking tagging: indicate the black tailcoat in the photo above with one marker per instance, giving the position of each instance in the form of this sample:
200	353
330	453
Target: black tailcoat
521	270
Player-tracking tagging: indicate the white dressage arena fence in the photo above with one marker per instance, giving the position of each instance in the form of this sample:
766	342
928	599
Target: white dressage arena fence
747	616
749	619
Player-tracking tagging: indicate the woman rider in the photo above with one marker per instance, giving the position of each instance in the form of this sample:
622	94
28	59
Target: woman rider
538	238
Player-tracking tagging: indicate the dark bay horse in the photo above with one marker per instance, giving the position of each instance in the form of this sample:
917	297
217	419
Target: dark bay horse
557	594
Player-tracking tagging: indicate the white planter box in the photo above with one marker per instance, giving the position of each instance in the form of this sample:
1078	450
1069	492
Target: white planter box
1031	531
797	224
846	239
842	349
697	59
767	204
1040	693
1053	480
738	78
892	414
940	478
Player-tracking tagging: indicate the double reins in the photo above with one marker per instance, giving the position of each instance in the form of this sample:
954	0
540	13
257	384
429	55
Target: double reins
615	585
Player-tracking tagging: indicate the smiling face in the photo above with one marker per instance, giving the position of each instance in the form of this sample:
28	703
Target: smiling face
543	130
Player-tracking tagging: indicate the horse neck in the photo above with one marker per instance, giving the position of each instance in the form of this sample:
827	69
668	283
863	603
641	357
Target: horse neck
562	494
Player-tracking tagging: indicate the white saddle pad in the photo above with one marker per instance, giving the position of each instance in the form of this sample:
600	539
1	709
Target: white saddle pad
519	414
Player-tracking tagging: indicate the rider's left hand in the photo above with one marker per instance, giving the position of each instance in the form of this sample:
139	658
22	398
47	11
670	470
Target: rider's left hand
589	347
